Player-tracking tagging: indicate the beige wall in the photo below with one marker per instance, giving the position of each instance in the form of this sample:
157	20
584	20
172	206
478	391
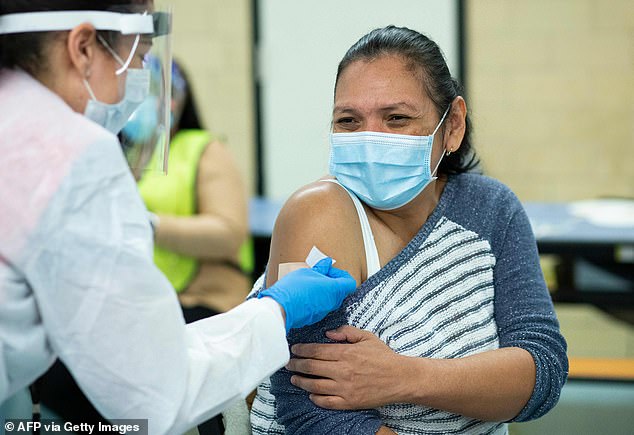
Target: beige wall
551	87
550	82
212	39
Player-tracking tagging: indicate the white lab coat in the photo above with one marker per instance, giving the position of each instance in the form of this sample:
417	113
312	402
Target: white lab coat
77	279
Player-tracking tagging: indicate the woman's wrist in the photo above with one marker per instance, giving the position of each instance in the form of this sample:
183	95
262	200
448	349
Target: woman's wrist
410	380
419	380
270	300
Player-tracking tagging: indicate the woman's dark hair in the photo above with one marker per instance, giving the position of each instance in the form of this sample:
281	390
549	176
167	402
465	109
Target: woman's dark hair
422	55
189	118
27	50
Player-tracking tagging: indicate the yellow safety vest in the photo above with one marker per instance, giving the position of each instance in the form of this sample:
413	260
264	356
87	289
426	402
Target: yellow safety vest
176	194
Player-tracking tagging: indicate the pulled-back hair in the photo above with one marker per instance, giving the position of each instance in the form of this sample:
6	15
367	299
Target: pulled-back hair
27	50
423	56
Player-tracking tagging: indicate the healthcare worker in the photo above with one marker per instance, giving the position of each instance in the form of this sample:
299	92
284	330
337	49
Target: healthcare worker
77	279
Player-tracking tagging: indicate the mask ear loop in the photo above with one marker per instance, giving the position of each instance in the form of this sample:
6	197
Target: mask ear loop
124	65
90	92
432	135
441	120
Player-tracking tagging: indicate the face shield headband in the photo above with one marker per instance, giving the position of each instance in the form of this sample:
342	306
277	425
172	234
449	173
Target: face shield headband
156	25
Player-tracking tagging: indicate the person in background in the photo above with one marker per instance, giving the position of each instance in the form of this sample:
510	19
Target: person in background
200	211
199	220
452	329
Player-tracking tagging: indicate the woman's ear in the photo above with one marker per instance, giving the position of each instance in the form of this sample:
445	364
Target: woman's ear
456	125
82	48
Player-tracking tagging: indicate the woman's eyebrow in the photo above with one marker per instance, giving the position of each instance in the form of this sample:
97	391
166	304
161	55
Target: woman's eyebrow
393	106
344	109
400	105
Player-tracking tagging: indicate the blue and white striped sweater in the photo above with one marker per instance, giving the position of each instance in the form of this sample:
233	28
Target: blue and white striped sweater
451	292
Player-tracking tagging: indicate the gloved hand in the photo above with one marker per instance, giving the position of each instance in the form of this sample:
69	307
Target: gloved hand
307	295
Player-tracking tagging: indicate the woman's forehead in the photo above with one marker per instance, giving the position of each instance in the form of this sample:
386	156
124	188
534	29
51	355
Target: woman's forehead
387	78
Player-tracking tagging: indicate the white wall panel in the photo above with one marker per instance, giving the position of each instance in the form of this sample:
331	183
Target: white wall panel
301	44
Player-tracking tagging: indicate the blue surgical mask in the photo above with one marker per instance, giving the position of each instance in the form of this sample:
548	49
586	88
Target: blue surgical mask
137	86
386	171
114	116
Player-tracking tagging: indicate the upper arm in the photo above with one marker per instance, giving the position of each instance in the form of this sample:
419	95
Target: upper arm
322	215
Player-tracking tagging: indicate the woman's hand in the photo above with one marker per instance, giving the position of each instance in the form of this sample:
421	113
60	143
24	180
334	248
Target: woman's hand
365	373
360	374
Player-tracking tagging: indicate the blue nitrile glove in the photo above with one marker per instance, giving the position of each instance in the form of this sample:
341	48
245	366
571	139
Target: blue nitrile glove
307	295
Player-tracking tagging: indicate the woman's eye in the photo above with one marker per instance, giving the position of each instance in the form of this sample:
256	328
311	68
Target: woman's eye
398	118
345	120
346	123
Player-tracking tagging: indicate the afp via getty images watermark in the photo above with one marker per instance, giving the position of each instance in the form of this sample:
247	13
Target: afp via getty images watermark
133	427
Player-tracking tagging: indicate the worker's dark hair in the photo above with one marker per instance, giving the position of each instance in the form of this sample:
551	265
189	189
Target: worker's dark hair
27	50
425	58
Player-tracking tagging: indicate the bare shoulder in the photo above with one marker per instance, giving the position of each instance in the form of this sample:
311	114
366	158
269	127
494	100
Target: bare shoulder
217	155
319	214
321	203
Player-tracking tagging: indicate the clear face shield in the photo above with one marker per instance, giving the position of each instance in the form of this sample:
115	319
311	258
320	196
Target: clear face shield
140	41
146	135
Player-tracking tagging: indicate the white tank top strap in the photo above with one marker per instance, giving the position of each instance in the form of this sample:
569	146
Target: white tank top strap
373	264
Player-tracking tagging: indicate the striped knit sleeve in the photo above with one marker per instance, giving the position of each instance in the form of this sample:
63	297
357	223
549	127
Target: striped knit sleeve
524	311
295	410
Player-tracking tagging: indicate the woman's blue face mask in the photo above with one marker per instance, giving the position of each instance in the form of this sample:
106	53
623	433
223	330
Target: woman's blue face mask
385	170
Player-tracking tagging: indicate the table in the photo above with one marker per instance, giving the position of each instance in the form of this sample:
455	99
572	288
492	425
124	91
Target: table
262	215
600	232
589	238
